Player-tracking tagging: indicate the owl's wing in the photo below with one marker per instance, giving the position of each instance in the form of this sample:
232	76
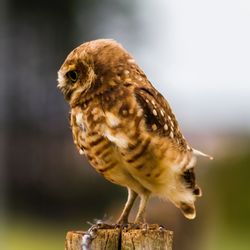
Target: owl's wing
158	116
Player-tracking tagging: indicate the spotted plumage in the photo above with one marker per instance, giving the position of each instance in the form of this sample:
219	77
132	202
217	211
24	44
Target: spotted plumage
126	128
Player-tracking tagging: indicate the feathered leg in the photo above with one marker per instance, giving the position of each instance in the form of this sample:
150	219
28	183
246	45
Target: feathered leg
141	214
129	204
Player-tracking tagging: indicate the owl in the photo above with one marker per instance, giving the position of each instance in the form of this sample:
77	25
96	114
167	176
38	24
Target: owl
126	128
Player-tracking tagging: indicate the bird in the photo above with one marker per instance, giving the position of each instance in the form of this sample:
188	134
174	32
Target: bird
127	129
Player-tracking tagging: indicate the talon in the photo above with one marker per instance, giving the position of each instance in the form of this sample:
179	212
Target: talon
145	227
100	223
122	222
125	226
117	225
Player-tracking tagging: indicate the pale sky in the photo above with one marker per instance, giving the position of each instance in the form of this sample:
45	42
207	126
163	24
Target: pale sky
196	53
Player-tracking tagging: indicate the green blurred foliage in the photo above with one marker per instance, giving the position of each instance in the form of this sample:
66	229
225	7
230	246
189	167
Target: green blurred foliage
228	184
48	188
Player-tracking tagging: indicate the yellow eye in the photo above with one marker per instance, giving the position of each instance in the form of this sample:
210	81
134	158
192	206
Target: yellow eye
72	75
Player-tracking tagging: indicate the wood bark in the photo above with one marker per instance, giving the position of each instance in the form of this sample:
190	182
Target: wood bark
117	239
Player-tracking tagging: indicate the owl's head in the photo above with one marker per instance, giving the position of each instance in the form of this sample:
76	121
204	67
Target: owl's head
90	69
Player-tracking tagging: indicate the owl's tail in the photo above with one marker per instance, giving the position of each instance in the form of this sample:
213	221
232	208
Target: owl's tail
183	191
199	153
187	207
188	210
192	190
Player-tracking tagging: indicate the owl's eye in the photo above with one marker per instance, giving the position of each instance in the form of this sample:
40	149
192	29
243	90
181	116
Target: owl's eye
72	75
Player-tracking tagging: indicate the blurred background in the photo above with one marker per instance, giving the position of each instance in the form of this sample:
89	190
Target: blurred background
195	52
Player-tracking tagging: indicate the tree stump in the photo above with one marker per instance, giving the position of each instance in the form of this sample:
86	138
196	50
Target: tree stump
153	238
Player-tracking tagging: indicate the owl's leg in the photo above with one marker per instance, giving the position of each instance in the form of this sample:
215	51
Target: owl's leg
126	210
141	214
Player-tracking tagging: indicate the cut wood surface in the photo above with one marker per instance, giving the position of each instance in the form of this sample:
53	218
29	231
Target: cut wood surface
117	239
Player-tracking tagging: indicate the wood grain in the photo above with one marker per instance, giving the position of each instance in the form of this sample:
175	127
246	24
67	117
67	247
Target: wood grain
117	239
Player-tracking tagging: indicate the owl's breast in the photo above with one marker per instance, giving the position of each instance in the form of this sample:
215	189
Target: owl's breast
88	128
88	136
120	147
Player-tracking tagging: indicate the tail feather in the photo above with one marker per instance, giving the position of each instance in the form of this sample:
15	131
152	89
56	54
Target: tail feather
188	210
197	191
187	205
199	153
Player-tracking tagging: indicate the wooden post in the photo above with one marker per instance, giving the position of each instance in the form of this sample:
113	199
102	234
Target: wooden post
116	239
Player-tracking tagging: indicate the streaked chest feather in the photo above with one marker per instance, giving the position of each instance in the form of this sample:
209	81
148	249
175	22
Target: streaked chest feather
122	150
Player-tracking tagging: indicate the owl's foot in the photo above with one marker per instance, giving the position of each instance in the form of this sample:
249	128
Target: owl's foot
143	226
100	224
129	225
122	221
124	225
92	232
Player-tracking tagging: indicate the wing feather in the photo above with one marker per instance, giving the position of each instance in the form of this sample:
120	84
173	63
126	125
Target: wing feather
158	115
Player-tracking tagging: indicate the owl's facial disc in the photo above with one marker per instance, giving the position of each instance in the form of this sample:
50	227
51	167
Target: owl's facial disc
75	80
